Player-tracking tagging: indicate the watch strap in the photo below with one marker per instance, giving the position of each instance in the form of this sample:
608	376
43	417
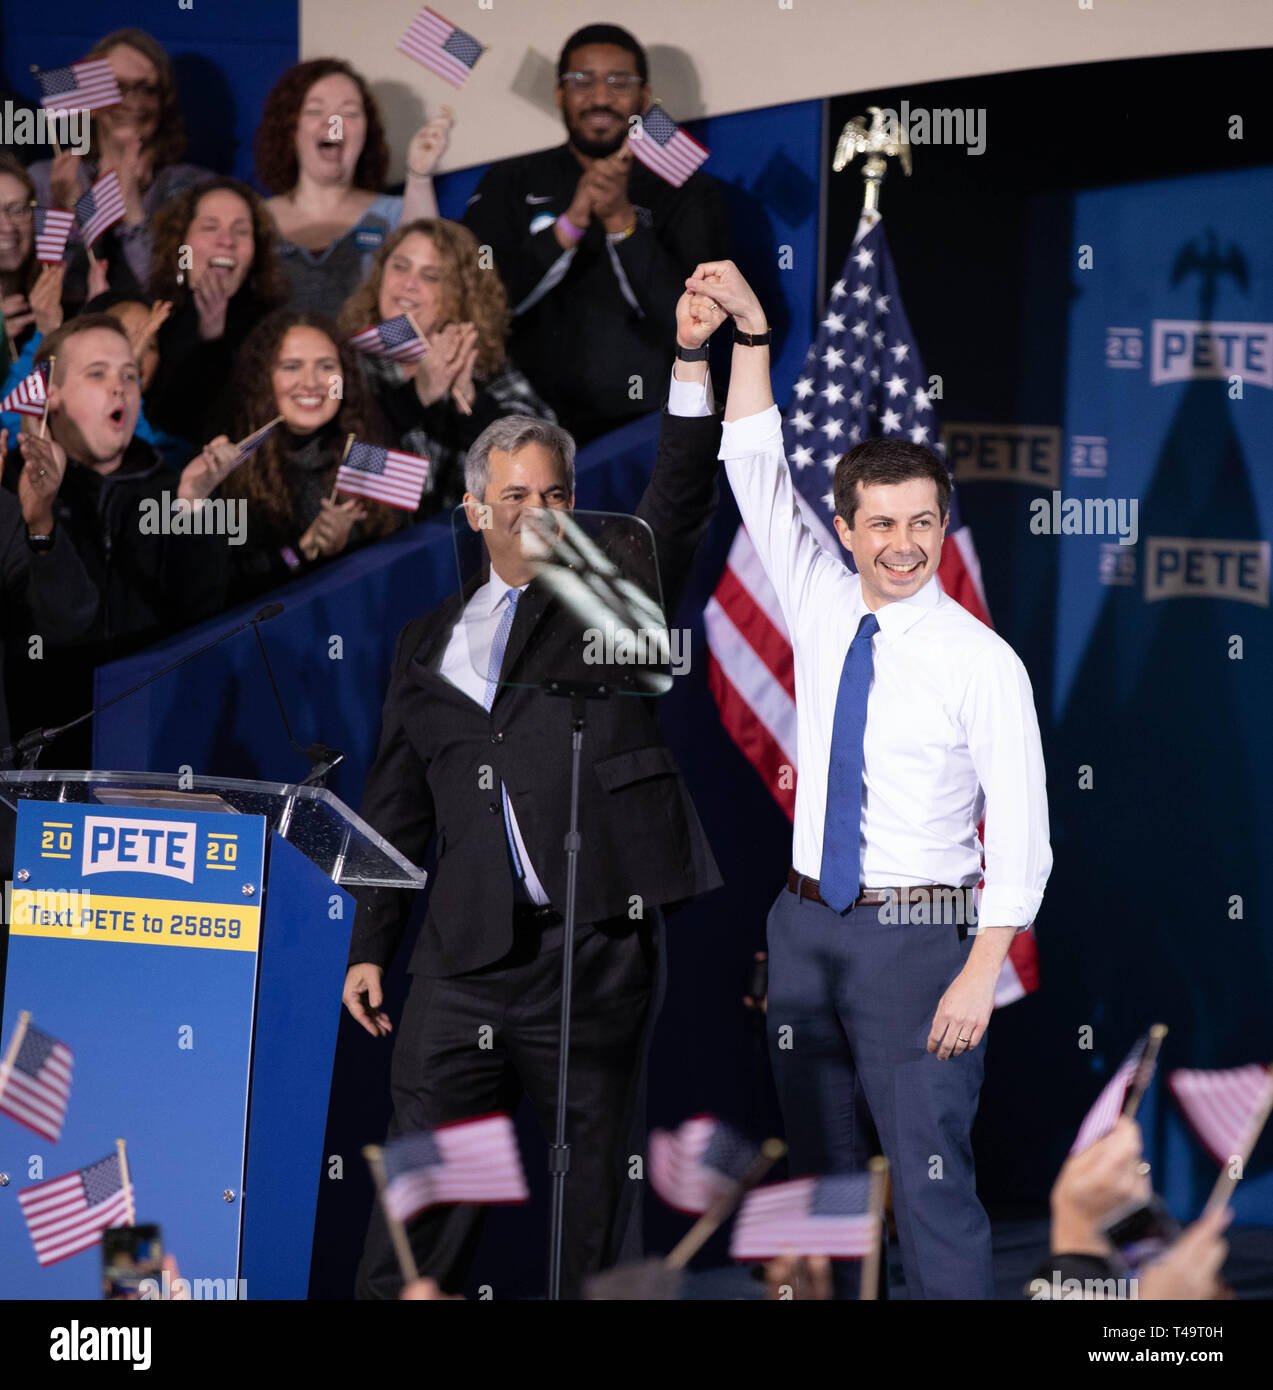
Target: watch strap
753	339
698	354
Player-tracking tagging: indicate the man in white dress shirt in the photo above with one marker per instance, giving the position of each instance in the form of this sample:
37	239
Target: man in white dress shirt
915	720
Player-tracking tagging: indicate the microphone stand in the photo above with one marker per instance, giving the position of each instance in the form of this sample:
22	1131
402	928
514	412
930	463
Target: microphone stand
578	693
28	748
322	760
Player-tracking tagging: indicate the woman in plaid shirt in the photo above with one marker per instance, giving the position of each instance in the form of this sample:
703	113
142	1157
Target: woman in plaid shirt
432	271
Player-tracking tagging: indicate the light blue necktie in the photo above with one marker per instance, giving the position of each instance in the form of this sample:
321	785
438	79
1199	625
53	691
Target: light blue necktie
493	667
840	879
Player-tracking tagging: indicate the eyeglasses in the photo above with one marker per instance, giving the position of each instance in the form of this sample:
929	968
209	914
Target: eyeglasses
17	212
615	81
150	90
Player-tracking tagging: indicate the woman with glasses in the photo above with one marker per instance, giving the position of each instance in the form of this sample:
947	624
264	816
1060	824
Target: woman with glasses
30	294
142	139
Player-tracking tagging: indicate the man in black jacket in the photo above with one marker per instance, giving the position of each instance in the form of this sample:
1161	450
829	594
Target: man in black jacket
134	524
484	764
592	246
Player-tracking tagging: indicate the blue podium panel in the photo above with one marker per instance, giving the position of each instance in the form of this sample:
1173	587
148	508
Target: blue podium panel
304	948
133	940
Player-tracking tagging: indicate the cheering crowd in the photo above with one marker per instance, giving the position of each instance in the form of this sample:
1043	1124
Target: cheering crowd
186	313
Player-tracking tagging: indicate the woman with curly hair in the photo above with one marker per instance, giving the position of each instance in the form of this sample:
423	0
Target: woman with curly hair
430	270
293	365
30	295
142	139
320	149
214	261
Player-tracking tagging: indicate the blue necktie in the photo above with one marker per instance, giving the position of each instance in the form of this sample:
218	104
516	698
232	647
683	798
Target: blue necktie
493	667
840	879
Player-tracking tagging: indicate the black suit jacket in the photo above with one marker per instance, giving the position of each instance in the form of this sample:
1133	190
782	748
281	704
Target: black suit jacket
442	758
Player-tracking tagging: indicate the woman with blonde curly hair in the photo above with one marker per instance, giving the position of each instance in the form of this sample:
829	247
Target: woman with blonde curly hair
294	365
214	261
431	270
142	138
321	151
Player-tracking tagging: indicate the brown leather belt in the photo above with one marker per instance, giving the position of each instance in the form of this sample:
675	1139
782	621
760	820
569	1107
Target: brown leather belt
806	887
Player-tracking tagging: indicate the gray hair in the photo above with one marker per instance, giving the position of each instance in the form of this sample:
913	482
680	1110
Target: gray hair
511	433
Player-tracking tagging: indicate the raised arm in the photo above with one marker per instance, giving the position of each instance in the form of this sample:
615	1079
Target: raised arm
801	570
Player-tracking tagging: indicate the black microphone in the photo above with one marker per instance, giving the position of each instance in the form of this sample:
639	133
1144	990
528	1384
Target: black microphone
28	748
322	760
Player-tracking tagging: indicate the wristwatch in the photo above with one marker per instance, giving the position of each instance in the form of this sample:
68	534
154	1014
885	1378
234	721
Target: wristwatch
753	339
40	544
698	354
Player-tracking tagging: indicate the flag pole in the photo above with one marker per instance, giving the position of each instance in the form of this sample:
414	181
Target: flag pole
714	1217
1144	1072
869	1288
265	429
397	1231
349	444
44	418
11	1052
123	1173
1226	1182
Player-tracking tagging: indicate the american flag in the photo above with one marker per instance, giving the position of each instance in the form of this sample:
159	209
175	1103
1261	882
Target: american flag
440	46
52	227
699	1163
395	338
1225	1108
86	86
29	395
387	475
1103	1116
36	1091
473	1161
252	442
862	377
101	207
664	148
68	1214
810	1216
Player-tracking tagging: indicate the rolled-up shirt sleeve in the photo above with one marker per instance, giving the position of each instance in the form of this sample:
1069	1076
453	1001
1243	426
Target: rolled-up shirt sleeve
795	561
1002	731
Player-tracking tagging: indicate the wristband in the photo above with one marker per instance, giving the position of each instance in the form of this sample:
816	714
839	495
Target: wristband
615	237
40	544
567	226
752	339
698	354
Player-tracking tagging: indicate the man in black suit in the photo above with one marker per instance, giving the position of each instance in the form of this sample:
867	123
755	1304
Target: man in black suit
484	764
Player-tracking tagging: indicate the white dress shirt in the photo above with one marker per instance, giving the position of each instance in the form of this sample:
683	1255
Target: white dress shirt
468	653
951	731
464	664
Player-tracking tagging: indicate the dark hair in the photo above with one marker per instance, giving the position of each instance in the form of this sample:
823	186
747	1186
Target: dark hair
84	323
170	129
261	479
603	33
265	282
275	144
887	461
24	277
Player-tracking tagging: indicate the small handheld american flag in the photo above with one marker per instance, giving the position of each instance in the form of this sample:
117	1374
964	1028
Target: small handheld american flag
36	1086
700	1162
29	395
441	47
101	207
664	148
68	1214
1122	1092
473	1161
1226	1109
88	85
52	227
249	444
385	475
395	338
810	1216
